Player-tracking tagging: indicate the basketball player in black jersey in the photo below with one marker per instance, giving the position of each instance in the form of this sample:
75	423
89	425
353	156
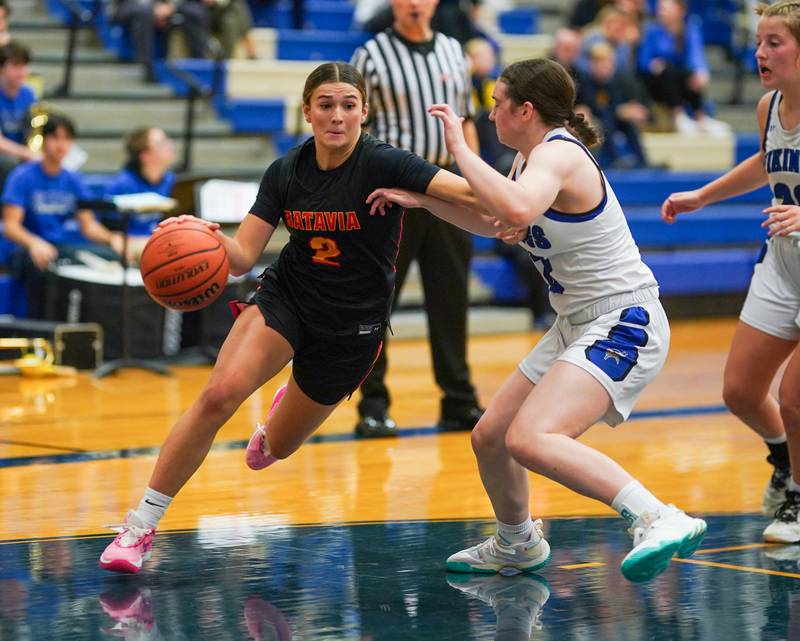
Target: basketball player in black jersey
322	305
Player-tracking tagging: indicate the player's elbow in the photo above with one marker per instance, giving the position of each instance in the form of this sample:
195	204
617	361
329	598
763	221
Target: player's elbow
517	217
239	269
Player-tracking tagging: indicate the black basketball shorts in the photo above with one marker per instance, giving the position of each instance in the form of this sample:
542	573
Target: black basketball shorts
326	368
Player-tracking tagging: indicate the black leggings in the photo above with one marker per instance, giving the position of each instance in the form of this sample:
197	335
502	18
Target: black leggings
671	87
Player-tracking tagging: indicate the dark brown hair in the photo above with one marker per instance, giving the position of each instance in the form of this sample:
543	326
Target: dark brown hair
550	89
15	51
334	72
56	122
137	141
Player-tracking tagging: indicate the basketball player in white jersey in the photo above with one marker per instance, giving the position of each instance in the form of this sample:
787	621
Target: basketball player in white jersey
610	338
769	325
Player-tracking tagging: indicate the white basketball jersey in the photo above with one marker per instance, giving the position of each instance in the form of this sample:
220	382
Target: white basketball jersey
585	257
782	157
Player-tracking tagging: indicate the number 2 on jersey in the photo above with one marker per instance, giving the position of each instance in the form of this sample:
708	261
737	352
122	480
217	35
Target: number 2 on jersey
324	250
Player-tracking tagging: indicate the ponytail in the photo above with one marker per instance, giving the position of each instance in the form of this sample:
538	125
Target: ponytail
587	134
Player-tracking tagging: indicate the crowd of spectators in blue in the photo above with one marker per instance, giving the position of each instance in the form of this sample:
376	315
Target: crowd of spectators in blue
626	57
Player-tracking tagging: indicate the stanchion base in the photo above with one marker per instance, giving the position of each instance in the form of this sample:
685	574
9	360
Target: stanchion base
112	366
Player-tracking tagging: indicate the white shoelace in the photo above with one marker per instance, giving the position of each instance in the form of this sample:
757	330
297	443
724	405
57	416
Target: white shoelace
130	534
640	528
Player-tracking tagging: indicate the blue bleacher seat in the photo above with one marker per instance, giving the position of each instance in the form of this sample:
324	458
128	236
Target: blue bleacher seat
523	20
746	145
203	70
652	186
317	14
261	116
318	45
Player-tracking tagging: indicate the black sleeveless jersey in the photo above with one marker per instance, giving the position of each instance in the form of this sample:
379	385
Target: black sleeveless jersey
338	267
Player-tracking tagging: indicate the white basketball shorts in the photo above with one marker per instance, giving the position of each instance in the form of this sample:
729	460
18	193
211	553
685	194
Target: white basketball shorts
773	299
623	349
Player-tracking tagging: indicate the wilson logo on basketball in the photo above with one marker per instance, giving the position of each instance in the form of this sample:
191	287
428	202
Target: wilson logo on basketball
201	299
184	266
174	279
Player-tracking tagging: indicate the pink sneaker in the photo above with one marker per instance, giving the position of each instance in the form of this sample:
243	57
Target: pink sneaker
131	548
256	458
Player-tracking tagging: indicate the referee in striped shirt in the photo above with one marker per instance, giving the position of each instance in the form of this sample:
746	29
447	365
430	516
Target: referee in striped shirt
407	68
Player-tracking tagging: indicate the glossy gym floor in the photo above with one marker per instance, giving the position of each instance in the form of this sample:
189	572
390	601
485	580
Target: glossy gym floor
347	538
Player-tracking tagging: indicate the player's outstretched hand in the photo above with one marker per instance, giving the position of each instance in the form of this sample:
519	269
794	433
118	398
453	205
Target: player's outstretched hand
385	197
509	235
186	218
453	126
782	219
679	203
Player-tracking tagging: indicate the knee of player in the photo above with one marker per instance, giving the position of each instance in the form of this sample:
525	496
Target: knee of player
487	437
790	411
524	443
219	397
739	397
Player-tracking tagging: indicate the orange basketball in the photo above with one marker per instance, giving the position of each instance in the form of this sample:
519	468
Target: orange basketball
184	266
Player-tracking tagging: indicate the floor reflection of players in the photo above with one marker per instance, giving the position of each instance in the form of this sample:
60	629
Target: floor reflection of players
782	613
517	601
264	621
398	582
132	609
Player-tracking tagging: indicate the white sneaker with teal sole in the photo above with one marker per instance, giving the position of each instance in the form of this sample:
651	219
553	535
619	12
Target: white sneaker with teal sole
786	526
657	537
495	555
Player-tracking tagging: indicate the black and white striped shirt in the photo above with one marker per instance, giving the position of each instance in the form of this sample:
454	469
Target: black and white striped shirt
403	79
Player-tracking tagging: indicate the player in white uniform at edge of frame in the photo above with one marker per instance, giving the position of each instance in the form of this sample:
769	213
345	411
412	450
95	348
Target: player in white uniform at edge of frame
768	329
610	338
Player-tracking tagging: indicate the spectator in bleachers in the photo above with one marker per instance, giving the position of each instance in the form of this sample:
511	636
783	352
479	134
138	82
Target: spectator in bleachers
147	20
673	64
584	12
40	201
16	100
483	69
150	156
617	28
616	100
232	23
5	13
567	50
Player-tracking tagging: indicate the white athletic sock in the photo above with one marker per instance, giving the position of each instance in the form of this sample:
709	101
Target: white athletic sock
152	507
776	440
794	486
633	500
516	533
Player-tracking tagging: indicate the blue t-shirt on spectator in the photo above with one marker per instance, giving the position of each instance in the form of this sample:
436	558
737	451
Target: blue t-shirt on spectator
657	42
14	113
130	182
49	202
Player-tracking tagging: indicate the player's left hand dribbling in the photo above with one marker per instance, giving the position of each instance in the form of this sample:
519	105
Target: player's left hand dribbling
782	219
